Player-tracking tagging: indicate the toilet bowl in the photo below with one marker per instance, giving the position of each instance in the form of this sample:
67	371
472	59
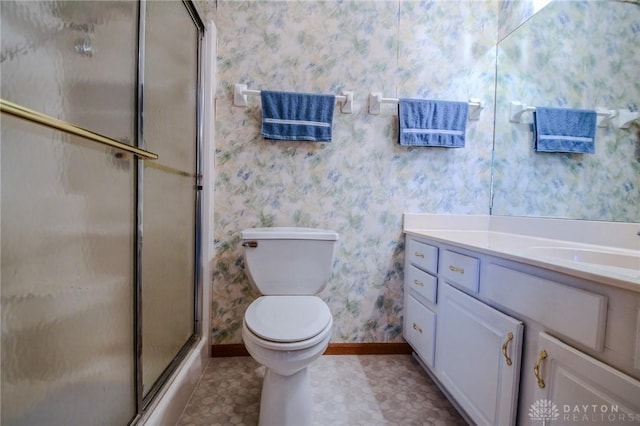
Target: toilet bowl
286	391
288	327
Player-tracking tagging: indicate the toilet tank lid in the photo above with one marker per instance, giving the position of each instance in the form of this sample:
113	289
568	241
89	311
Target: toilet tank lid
289	233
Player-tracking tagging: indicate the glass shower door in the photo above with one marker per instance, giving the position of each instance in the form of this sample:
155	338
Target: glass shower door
170	185
68	215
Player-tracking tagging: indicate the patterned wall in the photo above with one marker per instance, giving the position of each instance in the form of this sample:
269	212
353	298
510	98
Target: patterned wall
362	182
577	54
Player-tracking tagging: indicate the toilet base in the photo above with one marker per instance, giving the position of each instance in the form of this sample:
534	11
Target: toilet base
285	400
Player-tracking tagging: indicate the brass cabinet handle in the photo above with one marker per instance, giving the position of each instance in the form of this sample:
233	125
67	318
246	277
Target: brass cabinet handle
418	254
454	269
536	368
416	327
418	282
505	345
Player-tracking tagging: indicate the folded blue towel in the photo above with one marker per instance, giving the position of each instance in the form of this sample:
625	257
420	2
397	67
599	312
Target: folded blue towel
297	116
432	123
564	130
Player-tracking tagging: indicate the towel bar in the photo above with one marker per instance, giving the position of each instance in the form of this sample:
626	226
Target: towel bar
375	100
241	92
605	116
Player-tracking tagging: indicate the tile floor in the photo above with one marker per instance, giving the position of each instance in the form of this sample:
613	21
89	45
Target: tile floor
346	390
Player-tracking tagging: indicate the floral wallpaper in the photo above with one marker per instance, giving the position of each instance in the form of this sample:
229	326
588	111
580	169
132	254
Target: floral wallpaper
578	54
362	182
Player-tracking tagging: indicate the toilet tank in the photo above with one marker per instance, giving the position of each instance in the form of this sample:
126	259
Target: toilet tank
289	261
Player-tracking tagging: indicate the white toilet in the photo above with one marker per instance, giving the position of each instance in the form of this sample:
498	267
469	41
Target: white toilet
288	327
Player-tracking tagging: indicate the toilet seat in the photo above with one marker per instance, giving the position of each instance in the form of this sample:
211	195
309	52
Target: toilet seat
287	319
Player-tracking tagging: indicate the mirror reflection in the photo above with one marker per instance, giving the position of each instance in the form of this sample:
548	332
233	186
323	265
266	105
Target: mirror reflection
577	54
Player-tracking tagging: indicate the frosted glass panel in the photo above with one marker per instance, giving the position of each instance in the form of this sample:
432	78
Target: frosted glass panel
67	215
168	265
74	60
169	189
67	269
170	77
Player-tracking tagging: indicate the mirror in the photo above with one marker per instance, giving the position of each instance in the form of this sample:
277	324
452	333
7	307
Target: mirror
570	54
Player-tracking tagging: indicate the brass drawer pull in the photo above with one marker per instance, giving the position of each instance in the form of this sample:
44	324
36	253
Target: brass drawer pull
418	254
505	346
536	368
416	327
454	269
418	283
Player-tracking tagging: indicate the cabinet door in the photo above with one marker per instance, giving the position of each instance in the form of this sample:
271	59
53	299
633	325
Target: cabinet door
478	357
574	388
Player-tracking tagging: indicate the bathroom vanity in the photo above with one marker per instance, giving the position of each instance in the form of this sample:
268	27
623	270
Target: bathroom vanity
525	320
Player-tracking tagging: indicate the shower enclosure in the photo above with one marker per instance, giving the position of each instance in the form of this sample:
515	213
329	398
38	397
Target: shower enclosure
100	255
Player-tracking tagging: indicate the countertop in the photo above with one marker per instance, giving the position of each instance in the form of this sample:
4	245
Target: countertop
555	254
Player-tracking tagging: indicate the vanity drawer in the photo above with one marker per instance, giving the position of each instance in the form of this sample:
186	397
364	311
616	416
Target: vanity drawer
426	285
420	329
422	255
460	269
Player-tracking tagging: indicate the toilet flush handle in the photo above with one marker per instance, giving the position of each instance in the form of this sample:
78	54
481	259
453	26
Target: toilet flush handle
252	244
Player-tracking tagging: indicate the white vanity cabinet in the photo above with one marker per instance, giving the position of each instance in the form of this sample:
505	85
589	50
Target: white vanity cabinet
471	348
478	357
506	341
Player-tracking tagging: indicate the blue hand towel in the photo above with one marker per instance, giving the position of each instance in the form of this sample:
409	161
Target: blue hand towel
432	123
564	130
297	116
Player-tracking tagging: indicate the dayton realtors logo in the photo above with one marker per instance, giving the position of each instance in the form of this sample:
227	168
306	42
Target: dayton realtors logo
545	410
